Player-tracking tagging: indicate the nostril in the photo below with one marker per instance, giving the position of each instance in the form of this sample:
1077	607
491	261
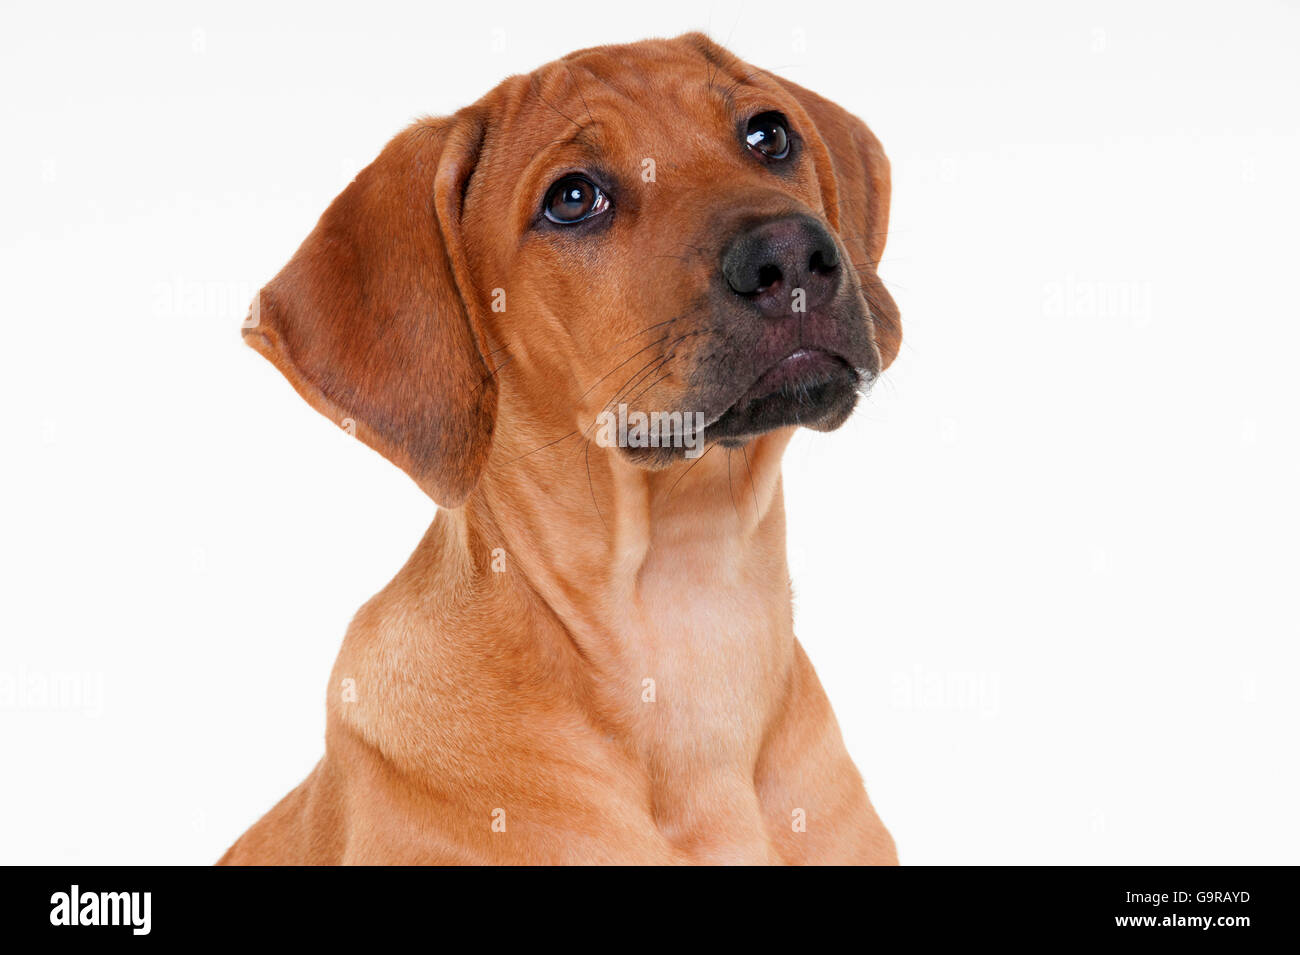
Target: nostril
823	263
768	275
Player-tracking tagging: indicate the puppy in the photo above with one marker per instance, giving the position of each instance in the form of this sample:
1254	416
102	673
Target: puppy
585	315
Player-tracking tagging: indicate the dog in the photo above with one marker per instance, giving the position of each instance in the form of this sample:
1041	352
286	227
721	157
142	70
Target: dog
585	315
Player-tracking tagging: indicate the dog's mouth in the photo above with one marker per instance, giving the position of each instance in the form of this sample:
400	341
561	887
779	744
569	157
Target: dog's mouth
810	387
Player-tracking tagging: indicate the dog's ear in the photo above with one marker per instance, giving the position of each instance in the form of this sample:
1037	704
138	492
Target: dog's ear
855	180
372	320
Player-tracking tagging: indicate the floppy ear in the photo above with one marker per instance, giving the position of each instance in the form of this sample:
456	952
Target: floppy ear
370	320
857	202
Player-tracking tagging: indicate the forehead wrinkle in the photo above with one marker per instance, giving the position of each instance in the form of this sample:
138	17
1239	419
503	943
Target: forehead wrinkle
578	86
535	81
569	105
585	139
604	108
588	63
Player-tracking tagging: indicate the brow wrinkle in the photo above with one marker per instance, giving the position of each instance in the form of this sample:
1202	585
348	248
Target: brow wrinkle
600	79
537	89
574	79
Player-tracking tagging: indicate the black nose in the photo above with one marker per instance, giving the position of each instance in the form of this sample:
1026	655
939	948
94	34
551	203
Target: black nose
770	262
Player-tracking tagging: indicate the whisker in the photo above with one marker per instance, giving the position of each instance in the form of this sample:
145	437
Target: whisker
537	88
592	487
622	363
688	471
542	448
483	382
580	94
649	368
614	400
649	386
646	329
752	489
730	491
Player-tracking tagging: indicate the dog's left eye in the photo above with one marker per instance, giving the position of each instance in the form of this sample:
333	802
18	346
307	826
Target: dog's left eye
574	199
768	134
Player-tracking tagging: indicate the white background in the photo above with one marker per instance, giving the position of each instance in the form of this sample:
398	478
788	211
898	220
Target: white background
1047	574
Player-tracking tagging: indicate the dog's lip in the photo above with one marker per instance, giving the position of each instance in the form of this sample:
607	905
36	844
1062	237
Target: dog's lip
800	365
803	365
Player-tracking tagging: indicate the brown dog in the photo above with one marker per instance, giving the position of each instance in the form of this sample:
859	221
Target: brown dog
589	657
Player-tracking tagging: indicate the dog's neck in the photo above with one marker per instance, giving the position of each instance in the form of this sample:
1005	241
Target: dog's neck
646	571
657	603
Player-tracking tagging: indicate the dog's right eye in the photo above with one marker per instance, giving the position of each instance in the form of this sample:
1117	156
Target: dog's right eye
768	134
574	199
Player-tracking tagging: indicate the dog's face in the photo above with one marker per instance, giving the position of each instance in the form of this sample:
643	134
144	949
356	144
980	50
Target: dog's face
655	226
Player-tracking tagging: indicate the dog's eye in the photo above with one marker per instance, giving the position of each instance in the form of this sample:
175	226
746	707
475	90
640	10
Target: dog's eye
574	199
768	136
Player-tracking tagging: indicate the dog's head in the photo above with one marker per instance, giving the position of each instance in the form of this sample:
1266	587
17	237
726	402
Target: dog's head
655	228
